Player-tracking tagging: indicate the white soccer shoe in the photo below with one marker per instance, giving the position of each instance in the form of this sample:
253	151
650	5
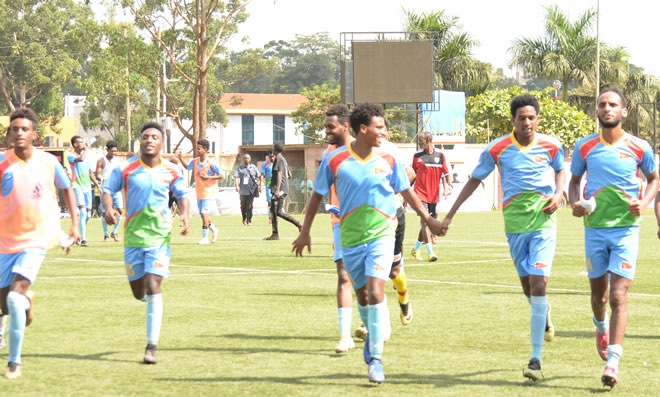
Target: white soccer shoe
204	241
345	344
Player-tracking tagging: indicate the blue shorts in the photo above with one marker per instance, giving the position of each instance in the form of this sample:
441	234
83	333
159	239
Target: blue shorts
26	263
372	259
269	195
117	202
142	260
337	242
611	249
83	197
532	252
204	206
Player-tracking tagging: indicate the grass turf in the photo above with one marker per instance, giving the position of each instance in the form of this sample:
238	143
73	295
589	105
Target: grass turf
244	317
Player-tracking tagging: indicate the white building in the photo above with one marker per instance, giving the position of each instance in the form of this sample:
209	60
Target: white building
253	119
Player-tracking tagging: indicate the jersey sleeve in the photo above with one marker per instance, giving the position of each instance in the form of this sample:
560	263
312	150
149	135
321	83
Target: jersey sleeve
237	173
115	182
215	168
191	165
485	166
178	187
578	165
647	164
399	180
557	162
445	168
62	180
324	178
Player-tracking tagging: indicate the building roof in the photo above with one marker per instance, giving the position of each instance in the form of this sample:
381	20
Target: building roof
278	104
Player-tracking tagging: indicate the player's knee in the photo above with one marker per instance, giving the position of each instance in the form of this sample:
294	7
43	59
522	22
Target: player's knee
598	299
396	268
618	297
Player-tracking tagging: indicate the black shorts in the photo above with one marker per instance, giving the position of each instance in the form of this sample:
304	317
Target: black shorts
431	209
399	234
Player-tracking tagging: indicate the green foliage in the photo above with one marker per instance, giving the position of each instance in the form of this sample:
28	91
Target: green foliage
310	115
304	62
488	116
455	67
43	46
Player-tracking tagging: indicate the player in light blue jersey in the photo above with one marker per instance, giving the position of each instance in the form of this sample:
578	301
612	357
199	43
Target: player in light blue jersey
82	178
614	160
532	174
366	180
146	181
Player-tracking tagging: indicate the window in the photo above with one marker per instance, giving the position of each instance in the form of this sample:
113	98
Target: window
278	129
247	129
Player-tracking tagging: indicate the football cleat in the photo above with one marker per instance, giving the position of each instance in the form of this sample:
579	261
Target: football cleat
406	313
361	332
533	370
602	340
3	344
106	239
376	373
214	234
150	354
204	241
433	257
273	237
13	371
415	254
83	243
610	377
549	335
345	344
115	237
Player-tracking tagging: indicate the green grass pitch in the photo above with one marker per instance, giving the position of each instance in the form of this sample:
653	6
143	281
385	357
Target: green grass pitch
244	317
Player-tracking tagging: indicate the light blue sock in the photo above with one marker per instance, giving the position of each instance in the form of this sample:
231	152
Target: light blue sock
17	305
89	216
3	320
429	248
602	326
345	315
539	313
82	222
114	229
154	317
364	313
376	325
105	226
614	353
417	245
205	232
529	299
213	228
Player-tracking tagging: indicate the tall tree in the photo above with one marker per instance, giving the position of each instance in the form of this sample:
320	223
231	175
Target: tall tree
455	67
194	34
43	46
567	52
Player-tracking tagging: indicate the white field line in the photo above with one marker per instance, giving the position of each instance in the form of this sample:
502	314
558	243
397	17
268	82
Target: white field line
322	272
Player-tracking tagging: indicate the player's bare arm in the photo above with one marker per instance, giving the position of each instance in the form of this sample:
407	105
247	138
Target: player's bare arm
74	230
574	196
184	204
111	212
636	206
304	238
470	186
554	201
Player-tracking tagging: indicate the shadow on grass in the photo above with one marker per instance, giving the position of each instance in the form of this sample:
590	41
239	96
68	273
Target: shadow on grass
443	381
268	337
247	350
592	335
90	357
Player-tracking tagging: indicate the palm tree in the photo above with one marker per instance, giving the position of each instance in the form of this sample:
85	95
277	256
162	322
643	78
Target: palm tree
455	67
565	52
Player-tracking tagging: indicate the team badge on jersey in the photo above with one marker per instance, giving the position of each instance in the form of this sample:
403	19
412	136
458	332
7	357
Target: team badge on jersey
626	265
540	265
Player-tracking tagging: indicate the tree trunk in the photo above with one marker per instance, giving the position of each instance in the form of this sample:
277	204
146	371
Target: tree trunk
564	89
